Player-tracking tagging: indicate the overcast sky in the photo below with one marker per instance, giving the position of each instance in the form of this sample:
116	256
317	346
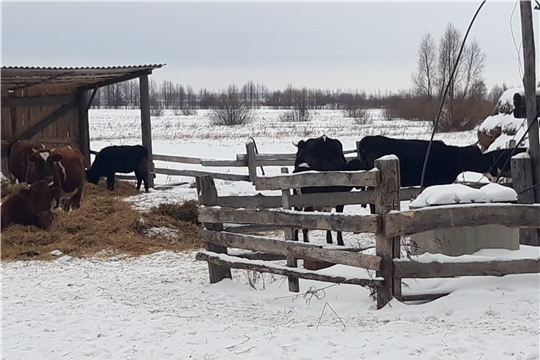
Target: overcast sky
370	46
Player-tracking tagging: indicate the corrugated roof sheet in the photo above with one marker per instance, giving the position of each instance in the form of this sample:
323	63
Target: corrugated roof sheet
20	77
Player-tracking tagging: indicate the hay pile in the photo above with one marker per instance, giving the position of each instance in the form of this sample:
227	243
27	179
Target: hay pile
106	226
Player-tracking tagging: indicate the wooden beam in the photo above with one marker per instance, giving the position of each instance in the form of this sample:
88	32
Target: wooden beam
231	262
522	176
178	159
146	125
118	79
448	216
315	178
196	173
297	219
207	195
529	85
387	247
416	269
29	101
292	248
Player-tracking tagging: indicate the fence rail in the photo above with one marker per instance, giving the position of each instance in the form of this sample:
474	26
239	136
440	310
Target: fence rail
388	224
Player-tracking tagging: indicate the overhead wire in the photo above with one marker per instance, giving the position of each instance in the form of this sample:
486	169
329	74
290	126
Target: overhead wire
426	158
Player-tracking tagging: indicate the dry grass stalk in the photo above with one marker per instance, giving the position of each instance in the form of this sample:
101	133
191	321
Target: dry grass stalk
104	226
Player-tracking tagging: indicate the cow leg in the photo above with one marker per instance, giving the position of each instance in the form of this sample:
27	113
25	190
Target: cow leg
305	231
75	201
142	174
305	235
139	179
110	181
339	209
328	237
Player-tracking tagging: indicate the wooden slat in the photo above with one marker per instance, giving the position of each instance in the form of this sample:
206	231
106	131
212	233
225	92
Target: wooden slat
315	178
196	173
223	163
448	216
333	199
44	123
256	255
292	248
415	269
301	220
177	159
49	100
242	229
298	201
231	262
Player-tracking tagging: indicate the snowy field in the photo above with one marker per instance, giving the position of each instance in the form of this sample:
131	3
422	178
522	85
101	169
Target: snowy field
161	306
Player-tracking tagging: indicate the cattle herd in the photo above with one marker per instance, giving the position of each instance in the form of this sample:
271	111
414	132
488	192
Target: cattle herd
57	175
444	164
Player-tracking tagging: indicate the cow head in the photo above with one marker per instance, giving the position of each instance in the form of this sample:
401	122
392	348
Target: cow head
42	167
322	153
39	197
92	176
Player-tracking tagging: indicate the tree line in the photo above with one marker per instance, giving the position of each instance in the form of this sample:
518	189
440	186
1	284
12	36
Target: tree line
468	100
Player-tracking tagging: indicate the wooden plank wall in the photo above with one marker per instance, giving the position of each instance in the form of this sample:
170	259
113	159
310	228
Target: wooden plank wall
16	120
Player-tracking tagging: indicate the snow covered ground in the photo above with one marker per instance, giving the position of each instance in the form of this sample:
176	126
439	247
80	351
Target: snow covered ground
161	306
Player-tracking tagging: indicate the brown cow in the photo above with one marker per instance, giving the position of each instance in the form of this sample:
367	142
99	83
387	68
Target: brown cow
18	157
31	206
65	167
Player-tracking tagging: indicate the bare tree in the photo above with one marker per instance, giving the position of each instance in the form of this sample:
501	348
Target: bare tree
300	105
168	93
448	53
473	68
232	110
423	79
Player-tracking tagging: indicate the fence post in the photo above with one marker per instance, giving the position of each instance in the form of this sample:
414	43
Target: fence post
386	199
207	193
522	181
294	285
251	161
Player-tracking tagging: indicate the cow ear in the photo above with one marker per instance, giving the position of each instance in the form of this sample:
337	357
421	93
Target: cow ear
301	144
32	158
25	193
56	157
56	192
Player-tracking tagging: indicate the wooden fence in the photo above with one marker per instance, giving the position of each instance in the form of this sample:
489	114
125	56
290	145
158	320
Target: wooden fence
227	219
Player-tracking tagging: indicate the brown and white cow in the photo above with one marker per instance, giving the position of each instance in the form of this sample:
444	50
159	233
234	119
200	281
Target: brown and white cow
31	206
65	167
18	157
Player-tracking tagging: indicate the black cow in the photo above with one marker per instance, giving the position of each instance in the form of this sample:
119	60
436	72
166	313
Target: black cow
500	163
122	159
323	154
445	162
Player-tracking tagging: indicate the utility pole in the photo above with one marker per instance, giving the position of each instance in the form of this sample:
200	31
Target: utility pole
529	84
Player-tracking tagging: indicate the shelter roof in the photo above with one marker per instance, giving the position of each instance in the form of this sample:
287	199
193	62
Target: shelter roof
81	78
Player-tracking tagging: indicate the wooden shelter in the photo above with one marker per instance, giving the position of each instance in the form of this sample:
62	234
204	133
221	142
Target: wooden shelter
50	104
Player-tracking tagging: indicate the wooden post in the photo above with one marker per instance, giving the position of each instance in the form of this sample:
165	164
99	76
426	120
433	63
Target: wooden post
251	162
146	126
386	199
207	193
294	285
529	84
522	182
84	128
